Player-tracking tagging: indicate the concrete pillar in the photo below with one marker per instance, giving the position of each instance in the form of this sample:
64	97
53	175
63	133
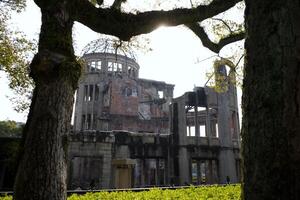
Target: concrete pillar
183	161
79	107
196	121
227	165
92	102
209	174
184	167
208	125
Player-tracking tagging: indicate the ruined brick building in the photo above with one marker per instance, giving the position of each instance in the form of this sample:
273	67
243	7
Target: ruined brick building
131	132
111	96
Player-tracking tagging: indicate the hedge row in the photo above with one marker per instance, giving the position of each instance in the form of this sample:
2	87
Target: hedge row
229	192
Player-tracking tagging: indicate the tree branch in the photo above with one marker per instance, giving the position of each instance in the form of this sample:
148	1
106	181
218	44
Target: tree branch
215	47
117	4
126	25
223	21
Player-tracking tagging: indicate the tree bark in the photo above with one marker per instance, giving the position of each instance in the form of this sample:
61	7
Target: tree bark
42	169
271	99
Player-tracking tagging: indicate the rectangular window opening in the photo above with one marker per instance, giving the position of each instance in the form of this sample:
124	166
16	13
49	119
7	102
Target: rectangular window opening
202	131
202	171
88	66
134	92
94	121
85	95
194	172
217	130
83	122
115	67
161	94
201	109
190	109
91	90
119	67
192	131
109	66
133	73
93	66
96	92
98	65
88	121
129	69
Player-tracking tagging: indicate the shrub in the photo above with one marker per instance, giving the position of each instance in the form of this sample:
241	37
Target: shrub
228	192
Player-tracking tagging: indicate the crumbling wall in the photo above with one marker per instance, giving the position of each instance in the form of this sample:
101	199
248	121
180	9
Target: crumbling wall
111	98
124	97
94	158
206	125
89	160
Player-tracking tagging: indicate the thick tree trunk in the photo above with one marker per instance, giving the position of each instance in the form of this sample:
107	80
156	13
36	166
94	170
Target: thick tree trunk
42	169
271	99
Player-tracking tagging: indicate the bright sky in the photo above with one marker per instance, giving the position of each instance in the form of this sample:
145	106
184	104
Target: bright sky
174	59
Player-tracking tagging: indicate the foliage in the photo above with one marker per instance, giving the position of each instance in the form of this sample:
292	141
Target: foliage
9	150
6	197
229	192
222	26
220	81
10	128
14	5
15	53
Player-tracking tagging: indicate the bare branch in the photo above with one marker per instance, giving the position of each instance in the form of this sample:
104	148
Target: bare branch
191	2
117	4
99	2
238	62
215	47
127	25
224	22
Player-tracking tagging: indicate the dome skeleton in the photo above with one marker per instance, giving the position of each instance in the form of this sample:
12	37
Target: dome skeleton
108	45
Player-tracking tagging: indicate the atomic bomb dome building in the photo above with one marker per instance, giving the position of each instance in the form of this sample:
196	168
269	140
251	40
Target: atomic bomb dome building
111	96
131	132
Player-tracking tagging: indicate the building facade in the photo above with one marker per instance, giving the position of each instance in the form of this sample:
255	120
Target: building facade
111	96
131	132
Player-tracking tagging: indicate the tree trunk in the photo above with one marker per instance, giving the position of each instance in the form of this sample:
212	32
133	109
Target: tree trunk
271	99
42	169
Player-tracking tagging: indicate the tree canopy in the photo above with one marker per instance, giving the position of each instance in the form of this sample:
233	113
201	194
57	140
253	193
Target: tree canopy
15	51
10	129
